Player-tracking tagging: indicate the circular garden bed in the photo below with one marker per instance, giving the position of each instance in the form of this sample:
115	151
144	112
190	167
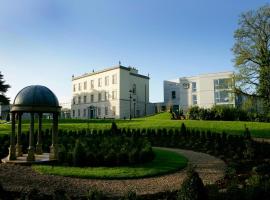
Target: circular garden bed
164	162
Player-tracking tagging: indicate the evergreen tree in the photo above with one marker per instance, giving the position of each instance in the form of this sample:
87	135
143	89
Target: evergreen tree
3	89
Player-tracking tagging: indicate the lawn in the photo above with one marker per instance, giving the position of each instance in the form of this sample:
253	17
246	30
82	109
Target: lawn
164	162
258	129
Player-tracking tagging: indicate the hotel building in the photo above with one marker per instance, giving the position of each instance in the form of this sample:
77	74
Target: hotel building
203	90
116	92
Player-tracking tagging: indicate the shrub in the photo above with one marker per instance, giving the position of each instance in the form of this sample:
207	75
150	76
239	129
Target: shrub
130	195
192	187
79	155
94	194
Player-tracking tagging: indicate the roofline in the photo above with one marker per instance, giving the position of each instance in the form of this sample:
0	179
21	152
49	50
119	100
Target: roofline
199	75
109	69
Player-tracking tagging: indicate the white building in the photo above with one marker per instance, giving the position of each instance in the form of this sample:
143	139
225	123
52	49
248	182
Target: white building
116	92
204	90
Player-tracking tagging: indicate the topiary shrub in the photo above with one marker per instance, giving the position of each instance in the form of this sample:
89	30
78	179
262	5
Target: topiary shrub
192	187
79	155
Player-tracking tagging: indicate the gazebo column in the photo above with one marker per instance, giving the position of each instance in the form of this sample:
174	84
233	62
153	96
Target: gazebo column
54	146
12	150
31	149
39	139
19	132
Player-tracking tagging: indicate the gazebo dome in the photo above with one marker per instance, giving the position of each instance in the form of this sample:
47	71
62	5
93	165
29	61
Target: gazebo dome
36	98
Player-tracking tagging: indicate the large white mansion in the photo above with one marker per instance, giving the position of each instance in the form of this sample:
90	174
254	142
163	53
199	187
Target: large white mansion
116	92
204	90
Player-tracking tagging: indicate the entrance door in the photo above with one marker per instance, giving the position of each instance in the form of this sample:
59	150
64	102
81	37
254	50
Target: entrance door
91	113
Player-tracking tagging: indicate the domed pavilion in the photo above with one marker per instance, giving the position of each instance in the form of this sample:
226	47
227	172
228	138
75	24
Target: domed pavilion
36	100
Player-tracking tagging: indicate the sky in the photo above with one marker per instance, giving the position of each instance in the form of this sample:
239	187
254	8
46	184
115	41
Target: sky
45	42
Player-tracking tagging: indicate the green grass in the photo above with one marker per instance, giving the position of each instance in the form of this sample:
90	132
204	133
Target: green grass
164	162
258	129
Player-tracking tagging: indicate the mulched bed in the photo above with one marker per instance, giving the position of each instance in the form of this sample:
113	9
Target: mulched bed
17	178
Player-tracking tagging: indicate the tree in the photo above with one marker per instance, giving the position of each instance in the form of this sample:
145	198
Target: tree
3	88
252	55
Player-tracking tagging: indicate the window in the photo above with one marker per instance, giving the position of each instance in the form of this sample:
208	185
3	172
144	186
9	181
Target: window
114	94
74	100
106	110
222	96
84	112
99	96
194	99
134	89
114	79
79	112
73	113
85	85
99	111
194	87
79	100
92	84
106	96
106	80
79	86
225	83
113	110
92	98
173	95
99	82
74	88
84	99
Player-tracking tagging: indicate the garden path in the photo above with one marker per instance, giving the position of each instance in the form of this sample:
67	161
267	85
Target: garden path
23	178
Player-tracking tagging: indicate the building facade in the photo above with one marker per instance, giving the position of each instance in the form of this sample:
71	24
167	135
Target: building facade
203	90
116	92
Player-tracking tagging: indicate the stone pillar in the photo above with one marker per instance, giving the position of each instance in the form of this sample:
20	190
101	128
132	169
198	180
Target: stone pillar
12	150
54	146
39	139
31	149
19	132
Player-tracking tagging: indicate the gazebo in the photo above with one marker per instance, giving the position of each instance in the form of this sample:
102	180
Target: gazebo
35	100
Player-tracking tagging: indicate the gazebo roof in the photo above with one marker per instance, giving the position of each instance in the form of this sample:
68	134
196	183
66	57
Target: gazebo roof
35	98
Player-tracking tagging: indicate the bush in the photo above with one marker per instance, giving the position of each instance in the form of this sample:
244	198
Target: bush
94	194
192	187
79	155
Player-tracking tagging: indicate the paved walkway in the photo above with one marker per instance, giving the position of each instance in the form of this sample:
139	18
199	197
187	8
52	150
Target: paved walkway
22	178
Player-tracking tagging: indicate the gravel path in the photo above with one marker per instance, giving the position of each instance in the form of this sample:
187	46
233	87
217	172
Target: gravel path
22	178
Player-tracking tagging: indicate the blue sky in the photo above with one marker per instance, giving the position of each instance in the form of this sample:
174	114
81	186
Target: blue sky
46	41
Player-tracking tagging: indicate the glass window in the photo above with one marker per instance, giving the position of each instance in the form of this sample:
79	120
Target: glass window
84	112
99	111
114	79
194	87
79	86
99	82
99	96
225	83
114	94
84	99
106	110
222	96
107	80
92	98
74	88
106	96
73	112
85	85
113	110
74	100
134	89
79	112
173	95
194	99
79	100
92	84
